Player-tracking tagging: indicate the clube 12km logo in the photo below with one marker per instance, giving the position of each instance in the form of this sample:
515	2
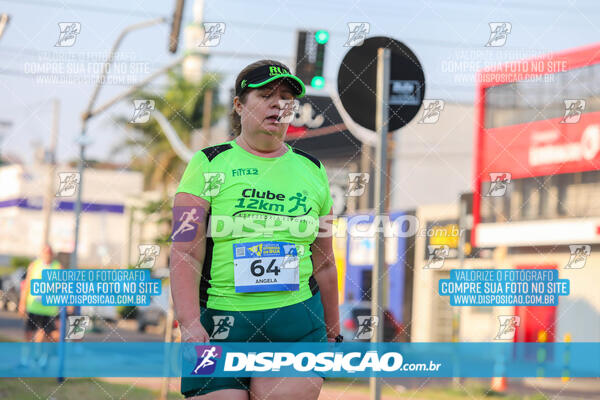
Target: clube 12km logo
210	355
269	202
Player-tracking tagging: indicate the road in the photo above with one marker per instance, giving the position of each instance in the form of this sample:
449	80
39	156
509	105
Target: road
11	327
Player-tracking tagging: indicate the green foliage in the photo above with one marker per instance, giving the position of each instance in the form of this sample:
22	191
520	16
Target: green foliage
182	103
127	312
19	261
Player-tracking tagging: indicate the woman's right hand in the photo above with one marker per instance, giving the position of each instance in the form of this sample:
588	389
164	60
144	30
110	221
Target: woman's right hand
194	333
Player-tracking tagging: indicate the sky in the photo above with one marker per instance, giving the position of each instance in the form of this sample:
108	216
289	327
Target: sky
448	37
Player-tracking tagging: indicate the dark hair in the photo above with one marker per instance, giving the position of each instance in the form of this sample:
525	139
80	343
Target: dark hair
235	120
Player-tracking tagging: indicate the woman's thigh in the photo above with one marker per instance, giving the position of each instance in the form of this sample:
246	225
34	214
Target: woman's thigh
225	394
281	388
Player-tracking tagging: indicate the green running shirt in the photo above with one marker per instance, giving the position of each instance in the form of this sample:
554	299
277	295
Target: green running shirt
34	303
261	201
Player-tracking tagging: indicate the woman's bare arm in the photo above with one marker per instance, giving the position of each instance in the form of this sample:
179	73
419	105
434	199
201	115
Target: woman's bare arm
186	262
325	272
22	308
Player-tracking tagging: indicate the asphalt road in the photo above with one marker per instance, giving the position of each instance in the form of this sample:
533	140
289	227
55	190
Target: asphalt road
11	326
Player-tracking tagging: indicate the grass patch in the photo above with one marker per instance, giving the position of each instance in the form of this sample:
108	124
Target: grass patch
470	391
7	270
73	389
6	339
96	389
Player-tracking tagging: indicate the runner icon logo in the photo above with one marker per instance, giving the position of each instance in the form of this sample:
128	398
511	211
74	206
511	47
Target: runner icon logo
498	34
573	110
223	324
366	323
69	181
287	111
141	112
212	34
357	33
207	359
437	256
68	33
148	255
499	182
77	327
508	325
357	182
432	109
212	183
579	255
185	223
292	254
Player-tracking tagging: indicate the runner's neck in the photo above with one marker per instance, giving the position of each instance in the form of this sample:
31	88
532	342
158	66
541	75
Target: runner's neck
243	143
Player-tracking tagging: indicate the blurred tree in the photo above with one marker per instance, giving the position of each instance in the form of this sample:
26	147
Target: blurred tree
182	104
20	261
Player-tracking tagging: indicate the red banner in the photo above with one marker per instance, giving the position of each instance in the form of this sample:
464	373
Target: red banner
540	148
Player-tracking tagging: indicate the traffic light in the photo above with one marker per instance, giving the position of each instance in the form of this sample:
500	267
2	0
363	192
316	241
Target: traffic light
310	57
318	82
321	37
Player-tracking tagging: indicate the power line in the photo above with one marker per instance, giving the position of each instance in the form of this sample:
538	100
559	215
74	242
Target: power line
79	6
21	74
385	13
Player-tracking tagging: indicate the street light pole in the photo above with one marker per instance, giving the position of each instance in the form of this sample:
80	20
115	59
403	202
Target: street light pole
51	164
81	164
84	120
381	126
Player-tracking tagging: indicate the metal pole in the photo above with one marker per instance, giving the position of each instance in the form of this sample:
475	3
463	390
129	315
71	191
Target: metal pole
462	215
86	116
135	87
164	387
51	163
365	167
81	166
4	19
381	121
47	213
206	112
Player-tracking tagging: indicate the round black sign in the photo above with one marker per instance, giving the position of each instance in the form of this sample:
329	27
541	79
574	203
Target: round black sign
357	83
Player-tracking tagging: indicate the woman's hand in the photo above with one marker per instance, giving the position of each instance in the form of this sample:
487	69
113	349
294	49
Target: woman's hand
194	333
21	311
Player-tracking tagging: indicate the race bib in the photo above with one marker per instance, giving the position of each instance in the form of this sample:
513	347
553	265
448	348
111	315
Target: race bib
265	267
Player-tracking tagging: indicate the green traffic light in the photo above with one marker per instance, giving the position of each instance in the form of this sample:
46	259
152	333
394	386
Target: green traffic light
318	82
322	36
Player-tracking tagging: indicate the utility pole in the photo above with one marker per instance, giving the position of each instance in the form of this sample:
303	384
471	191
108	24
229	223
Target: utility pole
206	111
83	141
51	170
381	123
4	20
193	65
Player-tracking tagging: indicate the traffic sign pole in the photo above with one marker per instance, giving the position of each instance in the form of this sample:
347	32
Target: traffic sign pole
393	90
381	124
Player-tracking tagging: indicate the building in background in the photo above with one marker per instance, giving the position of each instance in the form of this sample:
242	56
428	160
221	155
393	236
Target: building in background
397	280
433	157
537	181
103	230
433	318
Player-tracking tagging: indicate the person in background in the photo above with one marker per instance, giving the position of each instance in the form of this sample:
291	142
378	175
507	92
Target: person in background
40	320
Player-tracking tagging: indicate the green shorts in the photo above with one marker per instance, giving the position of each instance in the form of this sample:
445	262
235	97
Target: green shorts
301	322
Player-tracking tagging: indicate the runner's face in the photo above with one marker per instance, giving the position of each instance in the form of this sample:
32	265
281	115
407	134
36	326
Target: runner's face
46	254
262	108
